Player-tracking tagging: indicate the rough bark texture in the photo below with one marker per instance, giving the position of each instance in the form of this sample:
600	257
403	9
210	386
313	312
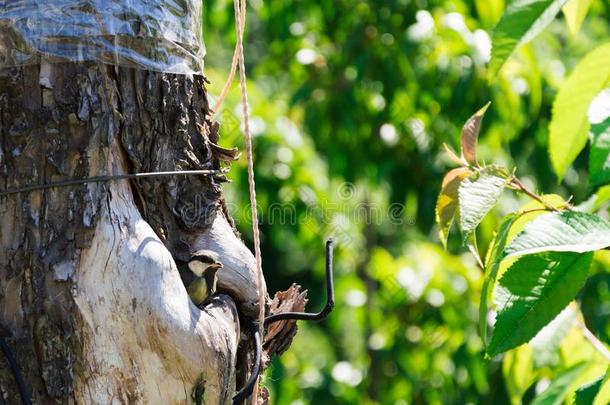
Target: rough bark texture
89	282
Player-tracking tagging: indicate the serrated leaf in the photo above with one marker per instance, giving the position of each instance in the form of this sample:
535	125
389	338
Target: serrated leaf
532	292
575	12
470	135
511	225
569	126
566	231
546	343
557	391
477	196
586	394
492	265
521	22
447	202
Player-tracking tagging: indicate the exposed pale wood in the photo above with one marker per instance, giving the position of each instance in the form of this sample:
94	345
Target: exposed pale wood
89	285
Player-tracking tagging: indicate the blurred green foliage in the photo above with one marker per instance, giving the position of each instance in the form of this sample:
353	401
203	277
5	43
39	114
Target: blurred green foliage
351	102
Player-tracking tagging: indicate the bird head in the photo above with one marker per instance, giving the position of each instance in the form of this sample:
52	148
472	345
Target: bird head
204	263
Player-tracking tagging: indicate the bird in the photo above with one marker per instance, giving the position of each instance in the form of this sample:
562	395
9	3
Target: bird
203	265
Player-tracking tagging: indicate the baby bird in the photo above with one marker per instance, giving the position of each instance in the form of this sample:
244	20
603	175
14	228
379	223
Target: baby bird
203	264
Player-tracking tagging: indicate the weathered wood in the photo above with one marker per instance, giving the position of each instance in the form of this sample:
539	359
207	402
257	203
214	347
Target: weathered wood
89	286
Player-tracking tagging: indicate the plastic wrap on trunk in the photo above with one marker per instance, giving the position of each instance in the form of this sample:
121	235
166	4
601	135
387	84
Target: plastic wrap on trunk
161	35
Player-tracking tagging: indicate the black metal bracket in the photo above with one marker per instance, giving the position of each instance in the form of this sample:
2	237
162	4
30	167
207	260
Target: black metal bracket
248	388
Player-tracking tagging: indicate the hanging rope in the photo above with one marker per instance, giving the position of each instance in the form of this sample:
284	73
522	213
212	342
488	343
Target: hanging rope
240	14
223	94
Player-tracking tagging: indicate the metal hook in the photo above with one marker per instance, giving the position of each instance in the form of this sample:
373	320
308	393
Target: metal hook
247	390
330	296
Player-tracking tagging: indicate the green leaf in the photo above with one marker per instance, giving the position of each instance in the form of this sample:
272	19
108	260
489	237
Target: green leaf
478	194
532	292
489	11
569	126
521	22
586	394
599	157
470	135
599	110
566	231
518	371
511	225
547	342
447	202
557	391
575	12
492	265
603	395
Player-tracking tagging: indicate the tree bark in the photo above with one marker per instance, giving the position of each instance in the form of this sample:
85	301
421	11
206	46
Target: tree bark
90	290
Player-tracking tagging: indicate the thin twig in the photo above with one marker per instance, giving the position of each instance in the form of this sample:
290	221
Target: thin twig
518	184
595	342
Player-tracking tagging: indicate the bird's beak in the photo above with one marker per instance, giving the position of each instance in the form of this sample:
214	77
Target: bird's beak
216	266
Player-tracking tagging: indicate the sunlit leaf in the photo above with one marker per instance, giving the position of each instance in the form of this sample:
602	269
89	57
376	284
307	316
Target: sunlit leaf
599	157
566	231
569	125
478	194
470	135
603	394
546	343
586	394
559	388
492	265
489	11
532	210
454	157
511	225
532	292
575	12
518	371
447	202
521	22
599	110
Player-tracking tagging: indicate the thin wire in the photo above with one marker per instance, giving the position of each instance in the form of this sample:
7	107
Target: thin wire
104	179
240	12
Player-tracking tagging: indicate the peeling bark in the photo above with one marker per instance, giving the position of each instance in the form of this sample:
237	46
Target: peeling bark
89	283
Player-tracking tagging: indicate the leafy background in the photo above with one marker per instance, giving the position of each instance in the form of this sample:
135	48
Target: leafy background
352	101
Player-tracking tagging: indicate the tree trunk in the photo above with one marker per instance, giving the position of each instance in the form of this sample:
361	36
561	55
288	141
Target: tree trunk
90	291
